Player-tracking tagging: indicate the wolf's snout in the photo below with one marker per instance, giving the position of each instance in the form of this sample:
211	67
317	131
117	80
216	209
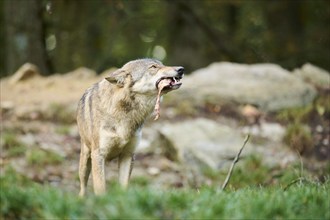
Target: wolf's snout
180	70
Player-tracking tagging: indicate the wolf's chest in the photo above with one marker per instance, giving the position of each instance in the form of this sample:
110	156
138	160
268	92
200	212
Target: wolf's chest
118	140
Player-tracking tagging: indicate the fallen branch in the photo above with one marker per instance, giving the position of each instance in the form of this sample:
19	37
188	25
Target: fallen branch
233	163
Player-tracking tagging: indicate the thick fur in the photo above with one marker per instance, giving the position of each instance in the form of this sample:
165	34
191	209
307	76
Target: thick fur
110	116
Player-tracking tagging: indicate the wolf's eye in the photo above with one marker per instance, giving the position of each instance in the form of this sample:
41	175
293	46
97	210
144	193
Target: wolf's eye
153	66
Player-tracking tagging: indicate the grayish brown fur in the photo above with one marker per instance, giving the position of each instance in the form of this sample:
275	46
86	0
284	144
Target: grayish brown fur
110	116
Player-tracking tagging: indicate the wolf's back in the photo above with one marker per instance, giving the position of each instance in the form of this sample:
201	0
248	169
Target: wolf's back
87	111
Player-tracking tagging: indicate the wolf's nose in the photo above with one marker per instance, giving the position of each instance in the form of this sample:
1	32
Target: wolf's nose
180	70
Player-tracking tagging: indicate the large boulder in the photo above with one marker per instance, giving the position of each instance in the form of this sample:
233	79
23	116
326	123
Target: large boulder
203	142
267	86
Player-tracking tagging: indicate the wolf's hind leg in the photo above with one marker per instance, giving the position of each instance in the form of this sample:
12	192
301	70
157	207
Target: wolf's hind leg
84	168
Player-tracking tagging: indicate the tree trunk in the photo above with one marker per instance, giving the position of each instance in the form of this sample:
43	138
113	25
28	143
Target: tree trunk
24	35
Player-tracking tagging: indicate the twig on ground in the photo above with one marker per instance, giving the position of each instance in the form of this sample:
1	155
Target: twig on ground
301	165
300	180
233	163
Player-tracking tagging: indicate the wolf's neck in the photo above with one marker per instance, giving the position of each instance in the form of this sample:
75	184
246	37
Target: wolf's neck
126	104
143	105
132	111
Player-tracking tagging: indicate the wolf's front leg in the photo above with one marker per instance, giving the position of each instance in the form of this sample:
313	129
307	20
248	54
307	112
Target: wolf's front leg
84	168
98	162
125	168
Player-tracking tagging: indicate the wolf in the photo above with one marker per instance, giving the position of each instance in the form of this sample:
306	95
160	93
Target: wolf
111	114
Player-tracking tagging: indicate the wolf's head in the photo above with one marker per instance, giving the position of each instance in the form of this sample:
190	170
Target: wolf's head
144	75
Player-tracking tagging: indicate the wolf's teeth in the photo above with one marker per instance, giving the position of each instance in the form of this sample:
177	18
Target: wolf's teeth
175	80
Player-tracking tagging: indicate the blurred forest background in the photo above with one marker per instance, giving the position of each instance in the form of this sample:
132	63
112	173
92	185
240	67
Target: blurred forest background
61	35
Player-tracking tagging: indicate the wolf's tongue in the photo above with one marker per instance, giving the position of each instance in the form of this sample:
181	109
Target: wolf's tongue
161	85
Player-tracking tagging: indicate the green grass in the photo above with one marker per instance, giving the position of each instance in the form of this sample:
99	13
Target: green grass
62	130
41	157
23	199
252	171
12	146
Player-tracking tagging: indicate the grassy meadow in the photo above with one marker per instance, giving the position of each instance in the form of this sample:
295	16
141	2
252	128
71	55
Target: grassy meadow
23	199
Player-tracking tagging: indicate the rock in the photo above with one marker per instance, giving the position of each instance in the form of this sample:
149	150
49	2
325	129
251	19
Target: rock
266	86
165	146
5	108
27	71
153	171
28	139
6	105
155	142
251	113
271	131
81	73
107	72
203	140
314	75
200	142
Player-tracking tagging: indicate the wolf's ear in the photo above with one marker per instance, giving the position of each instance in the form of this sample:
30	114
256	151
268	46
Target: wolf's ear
117	77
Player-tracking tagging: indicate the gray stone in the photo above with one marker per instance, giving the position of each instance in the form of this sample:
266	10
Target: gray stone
271	131
210	143
202	142
314	75
267	86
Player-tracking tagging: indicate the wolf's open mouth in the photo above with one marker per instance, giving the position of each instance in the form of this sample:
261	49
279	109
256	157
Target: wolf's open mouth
168	83
165	83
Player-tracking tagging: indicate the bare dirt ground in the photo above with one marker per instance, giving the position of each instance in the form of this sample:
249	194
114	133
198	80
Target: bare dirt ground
40	92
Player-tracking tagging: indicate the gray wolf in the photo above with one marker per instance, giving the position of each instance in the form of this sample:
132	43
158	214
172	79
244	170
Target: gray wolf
111	113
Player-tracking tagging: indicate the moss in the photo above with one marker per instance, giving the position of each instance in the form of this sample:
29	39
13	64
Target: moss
60	113
12	146
296	115
298	138
305	114
140	181
63	129
185	108
9	139
322	105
